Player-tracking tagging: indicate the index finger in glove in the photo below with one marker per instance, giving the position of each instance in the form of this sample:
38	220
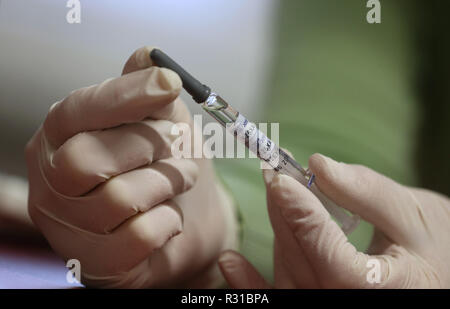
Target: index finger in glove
126	99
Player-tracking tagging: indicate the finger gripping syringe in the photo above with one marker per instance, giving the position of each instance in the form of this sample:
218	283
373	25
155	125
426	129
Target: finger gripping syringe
247	133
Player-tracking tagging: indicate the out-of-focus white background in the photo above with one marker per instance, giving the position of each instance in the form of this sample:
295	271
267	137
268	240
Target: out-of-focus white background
224	43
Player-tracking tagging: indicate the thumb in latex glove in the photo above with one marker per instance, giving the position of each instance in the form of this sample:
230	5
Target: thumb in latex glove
411	243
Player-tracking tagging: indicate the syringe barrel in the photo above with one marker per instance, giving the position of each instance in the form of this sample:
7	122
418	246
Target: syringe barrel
252	137
264	148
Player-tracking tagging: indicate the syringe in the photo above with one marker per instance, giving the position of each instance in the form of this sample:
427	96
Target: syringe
255	140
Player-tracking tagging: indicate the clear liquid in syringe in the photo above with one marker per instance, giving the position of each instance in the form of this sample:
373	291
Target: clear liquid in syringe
255	140
265	149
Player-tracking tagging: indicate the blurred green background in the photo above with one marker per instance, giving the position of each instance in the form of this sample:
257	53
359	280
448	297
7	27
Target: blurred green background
357	92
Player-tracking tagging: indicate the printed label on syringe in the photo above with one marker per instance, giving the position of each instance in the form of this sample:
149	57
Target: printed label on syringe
257	142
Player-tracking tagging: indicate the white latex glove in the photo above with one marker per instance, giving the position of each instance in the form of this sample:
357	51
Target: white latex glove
411	241
105	190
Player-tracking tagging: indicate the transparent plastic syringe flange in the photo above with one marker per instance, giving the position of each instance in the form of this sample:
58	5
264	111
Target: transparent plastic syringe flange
257	142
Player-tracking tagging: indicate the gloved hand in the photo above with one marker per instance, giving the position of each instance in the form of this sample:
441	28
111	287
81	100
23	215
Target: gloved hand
411	244
105	189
